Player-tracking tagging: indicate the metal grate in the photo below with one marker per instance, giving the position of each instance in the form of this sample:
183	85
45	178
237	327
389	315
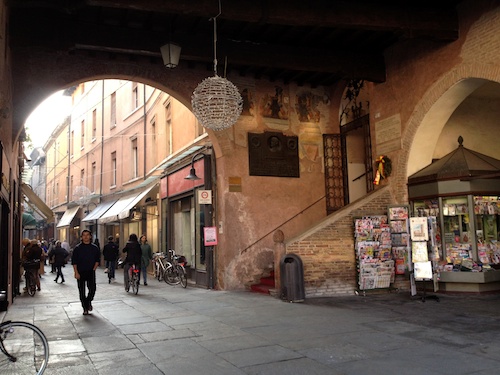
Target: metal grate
334	173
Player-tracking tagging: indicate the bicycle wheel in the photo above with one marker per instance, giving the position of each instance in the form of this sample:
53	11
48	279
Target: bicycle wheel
170	275
25	347
135	282
31	283
158	271
182	276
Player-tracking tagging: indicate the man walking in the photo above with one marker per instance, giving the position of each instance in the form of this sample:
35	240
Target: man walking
85	260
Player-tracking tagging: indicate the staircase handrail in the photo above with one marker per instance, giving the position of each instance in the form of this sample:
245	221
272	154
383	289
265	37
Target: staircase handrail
283	223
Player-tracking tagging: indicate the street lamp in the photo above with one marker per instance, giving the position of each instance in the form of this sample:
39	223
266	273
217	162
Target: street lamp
192	172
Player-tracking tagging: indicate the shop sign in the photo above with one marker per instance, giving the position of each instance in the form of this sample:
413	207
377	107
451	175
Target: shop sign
210	234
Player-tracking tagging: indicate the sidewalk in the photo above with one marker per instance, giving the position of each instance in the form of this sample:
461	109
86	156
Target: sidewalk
170	330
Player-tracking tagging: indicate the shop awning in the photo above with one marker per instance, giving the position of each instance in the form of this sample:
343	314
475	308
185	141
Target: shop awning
29	222
121	208
99	211
36	203
112	214
126	211
68	216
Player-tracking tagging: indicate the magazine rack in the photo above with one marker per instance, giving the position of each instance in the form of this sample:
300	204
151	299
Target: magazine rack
421	234
374	262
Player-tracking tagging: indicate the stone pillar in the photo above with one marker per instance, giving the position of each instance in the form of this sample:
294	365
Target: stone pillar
279	251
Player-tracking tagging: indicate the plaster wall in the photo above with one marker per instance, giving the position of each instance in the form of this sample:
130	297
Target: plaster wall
265	204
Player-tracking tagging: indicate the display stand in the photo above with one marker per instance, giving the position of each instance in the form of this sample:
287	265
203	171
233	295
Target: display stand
400	237
421	228
375	265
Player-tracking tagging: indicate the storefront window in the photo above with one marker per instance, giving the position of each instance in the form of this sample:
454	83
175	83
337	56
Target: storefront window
487	222
152	230
456	229
199	240
182	227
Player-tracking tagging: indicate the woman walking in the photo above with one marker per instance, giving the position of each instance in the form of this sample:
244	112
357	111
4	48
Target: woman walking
147	255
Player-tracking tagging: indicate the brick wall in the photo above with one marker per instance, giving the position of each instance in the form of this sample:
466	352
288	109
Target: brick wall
327	250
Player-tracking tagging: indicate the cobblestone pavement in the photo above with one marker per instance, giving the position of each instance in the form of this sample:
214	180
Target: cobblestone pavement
170	330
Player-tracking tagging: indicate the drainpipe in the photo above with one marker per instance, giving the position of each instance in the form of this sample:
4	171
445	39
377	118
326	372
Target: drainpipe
145	129
69	163
102	155
144	220
102	142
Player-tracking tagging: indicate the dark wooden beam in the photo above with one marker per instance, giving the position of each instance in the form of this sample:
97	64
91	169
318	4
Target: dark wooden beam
437	20
362	64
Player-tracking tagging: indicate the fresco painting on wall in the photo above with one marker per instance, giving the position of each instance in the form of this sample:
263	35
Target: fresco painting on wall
248	103
307	107
275	106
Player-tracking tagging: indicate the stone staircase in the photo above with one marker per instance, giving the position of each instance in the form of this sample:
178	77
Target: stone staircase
266	285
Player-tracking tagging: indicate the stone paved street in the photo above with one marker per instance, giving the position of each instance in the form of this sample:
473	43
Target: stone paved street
170	330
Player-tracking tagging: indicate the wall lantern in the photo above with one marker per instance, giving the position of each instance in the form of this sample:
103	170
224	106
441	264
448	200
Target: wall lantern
171	54
192	172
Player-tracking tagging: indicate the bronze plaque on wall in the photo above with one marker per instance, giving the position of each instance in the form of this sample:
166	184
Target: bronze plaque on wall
273	154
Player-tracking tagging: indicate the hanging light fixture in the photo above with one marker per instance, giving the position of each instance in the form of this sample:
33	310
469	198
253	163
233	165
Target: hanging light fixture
216	102
170	54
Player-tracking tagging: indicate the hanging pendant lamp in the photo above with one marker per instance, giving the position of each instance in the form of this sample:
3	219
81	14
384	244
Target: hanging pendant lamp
216	101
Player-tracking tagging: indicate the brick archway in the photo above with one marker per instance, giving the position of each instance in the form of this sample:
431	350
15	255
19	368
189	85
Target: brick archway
431	114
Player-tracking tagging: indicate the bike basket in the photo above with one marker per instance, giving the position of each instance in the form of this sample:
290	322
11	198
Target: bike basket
31	264
182	261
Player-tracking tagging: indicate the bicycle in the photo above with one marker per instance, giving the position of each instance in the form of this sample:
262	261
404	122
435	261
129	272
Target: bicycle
29	275
133	279
159	265
25	347
175	272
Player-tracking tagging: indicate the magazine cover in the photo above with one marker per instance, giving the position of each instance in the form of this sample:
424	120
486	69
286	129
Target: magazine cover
419	252
418	229
423	270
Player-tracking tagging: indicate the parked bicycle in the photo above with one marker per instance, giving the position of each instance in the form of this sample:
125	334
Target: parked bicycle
159	265
133	279
175	272
25	347
29	275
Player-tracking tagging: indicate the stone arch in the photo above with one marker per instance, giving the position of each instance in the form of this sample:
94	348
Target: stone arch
432	113
39	75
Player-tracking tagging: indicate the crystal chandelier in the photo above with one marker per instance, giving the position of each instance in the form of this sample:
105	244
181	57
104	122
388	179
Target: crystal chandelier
216	102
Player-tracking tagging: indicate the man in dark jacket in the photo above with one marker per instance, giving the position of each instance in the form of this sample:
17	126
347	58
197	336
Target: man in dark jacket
85	260
134	255
110	253
59	255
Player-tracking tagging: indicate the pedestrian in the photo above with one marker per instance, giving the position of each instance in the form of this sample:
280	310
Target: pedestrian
33	253
134	256
85	260
65	246
52	244
147	255
43	257
59	255
45	248
110	253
